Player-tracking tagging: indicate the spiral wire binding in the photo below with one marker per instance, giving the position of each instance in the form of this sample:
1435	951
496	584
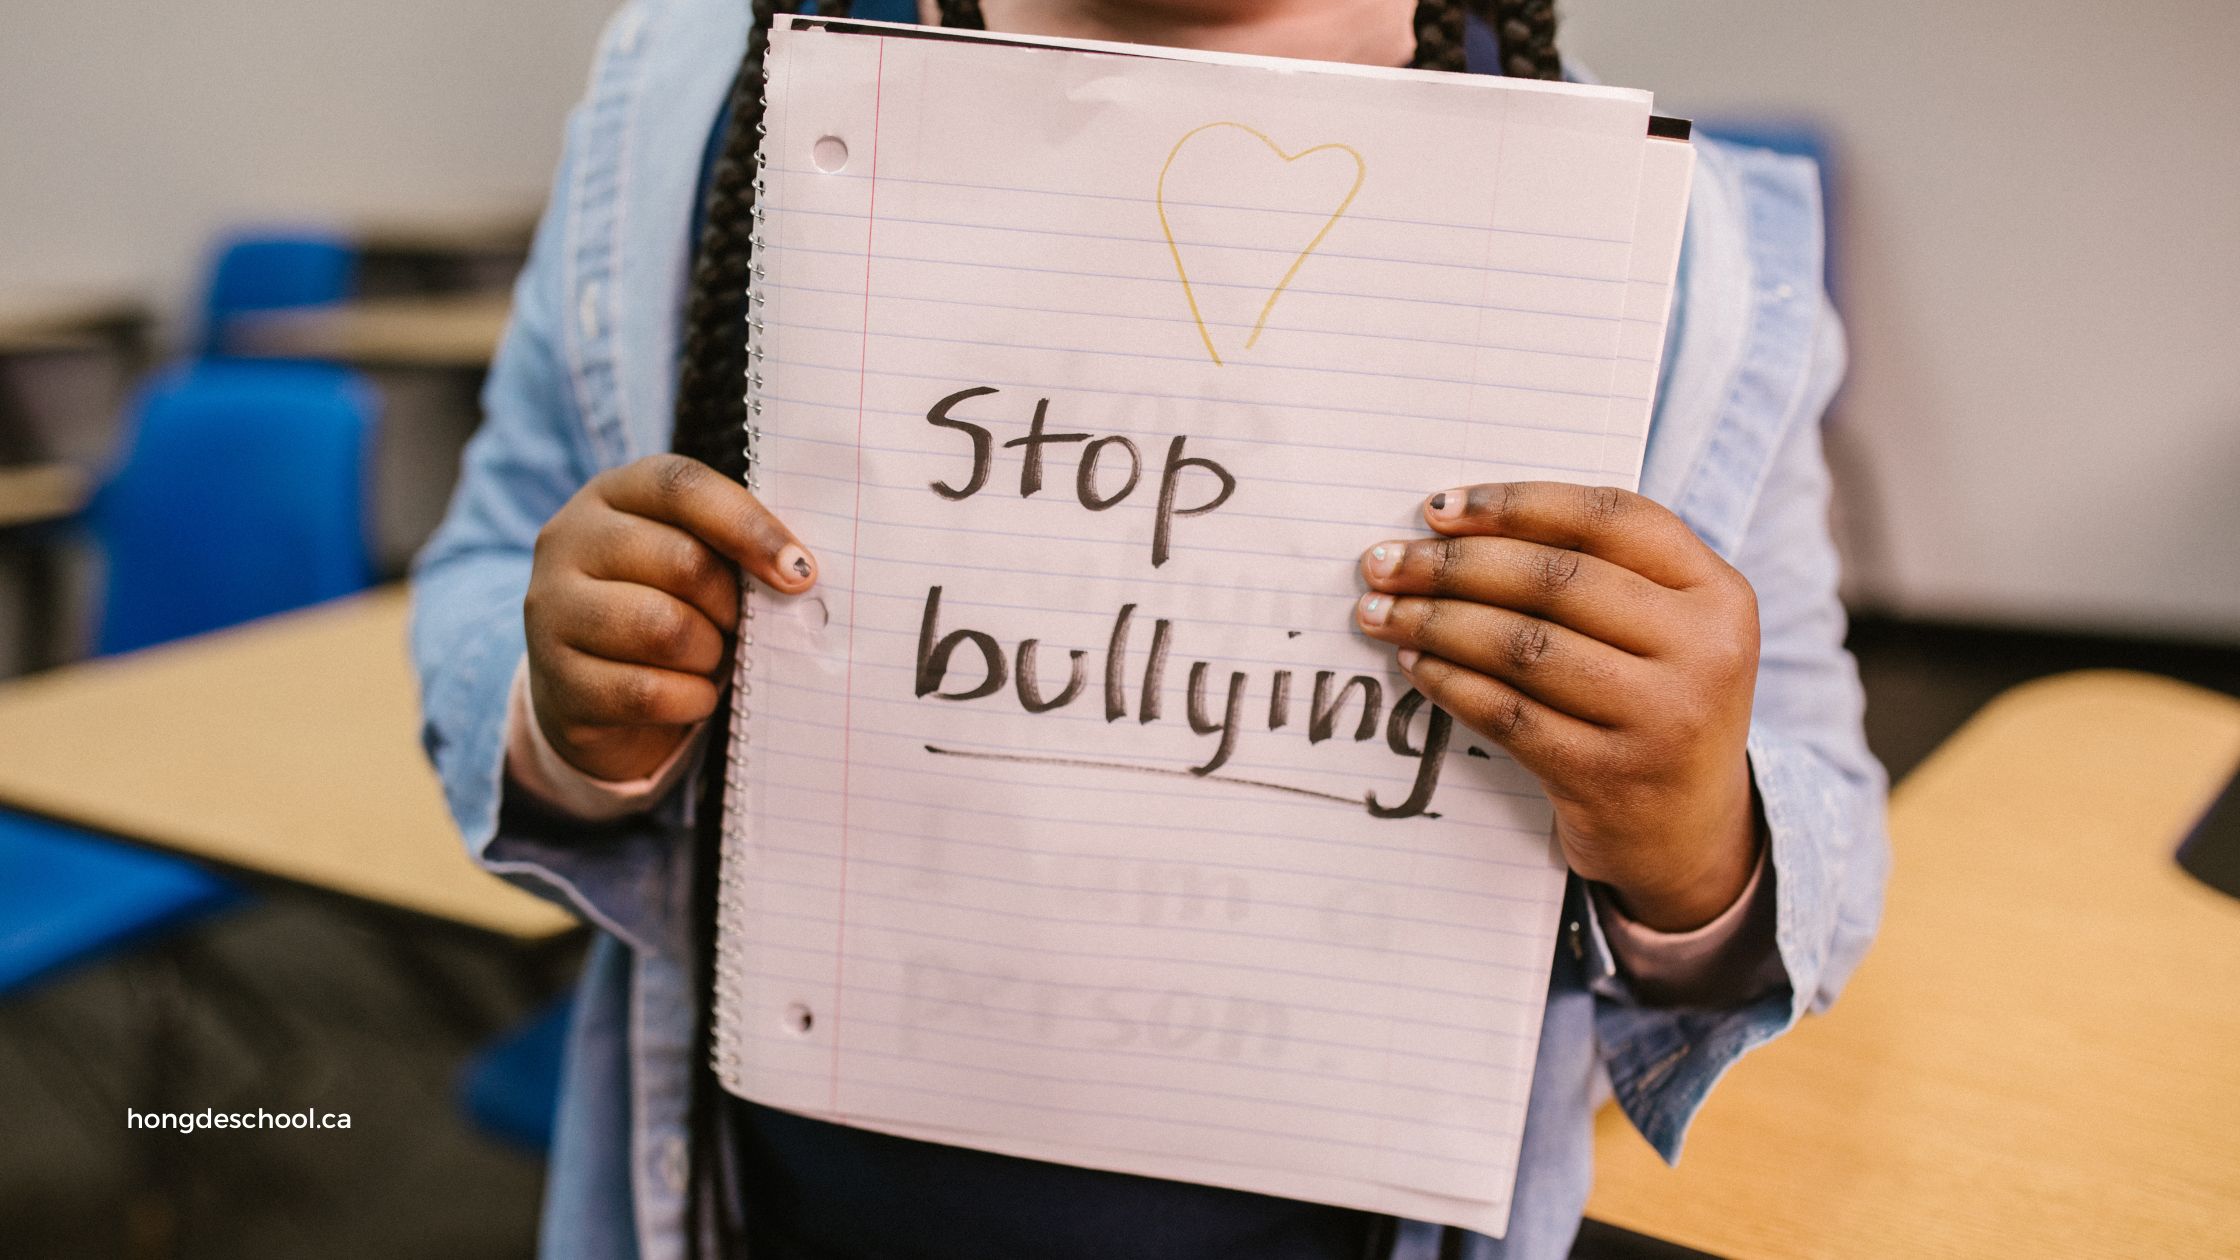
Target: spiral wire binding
727	1047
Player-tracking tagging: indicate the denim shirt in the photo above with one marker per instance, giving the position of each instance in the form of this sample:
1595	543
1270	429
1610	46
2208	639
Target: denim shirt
584	382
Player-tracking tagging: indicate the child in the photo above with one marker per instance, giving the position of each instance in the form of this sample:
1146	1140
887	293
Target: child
1674	675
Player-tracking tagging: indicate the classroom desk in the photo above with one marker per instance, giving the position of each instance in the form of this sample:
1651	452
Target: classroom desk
41	321
446	252
24	341
458	331
39	494
2040	1057
287	748
41	333
506	231
32	495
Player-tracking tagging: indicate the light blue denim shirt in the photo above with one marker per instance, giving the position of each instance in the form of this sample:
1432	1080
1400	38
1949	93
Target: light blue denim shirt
583	382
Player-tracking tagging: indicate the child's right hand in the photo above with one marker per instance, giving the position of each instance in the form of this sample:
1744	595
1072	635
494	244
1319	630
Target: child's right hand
632	601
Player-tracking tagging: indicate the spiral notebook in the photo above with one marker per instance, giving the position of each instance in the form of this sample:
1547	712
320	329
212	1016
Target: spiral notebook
1070	817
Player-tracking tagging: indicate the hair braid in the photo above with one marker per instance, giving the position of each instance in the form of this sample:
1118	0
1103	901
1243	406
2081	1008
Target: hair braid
711	409
1439	34
963	15
1527	31
711	422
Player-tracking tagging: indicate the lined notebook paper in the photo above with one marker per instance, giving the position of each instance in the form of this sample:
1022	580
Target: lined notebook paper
1069	816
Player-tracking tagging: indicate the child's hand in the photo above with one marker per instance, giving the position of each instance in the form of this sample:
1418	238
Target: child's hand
631	603
1591	634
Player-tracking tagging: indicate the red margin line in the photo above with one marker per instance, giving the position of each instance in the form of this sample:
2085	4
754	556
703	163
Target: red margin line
847	709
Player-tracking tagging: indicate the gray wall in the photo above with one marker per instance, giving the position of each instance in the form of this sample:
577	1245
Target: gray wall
131	129
2041	211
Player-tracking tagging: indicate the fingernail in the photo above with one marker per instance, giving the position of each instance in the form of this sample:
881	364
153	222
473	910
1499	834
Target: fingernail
1446	505
1374	609
1383	560
1408	659
793	561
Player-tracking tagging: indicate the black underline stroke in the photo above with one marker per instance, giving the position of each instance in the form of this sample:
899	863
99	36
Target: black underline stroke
1089	764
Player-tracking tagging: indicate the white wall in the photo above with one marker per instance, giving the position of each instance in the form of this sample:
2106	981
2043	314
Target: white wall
2040	208
130	129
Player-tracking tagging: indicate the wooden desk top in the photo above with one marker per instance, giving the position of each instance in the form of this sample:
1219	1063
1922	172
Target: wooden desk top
287	747
29	341
458	331
63	320
34	494
2040	1057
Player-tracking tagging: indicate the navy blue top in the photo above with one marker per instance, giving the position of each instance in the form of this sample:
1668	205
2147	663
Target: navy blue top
820	1191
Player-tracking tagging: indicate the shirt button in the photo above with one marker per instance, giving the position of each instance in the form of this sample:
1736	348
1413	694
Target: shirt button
670	1164
587	311
1784	292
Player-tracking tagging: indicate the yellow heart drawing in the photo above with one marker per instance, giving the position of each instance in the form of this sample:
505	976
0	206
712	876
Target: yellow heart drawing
1182	272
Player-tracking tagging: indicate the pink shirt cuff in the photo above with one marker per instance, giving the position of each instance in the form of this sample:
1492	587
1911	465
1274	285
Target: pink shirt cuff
536	767
1728	960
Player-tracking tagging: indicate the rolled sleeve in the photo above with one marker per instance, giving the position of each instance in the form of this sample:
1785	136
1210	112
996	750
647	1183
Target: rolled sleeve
536	767
1822	794
1729	960
527	459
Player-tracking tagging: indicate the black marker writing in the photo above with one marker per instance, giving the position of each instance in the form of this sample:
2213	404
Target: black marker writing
933	657
1322	719
1183	487
939	415
1155	670
1226	728
1030	684
1085	481
1169	480
1115	658
1189	486
1430	754
1030	475
1213	707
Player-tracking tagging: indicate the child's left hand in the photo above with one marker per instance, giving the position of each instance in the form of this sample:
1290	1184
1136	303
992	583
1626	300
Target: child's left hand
1590	633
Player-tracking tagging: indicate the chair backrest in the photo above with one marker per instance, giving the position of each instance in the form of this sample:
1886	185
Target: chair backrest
242	493
68	895
274	270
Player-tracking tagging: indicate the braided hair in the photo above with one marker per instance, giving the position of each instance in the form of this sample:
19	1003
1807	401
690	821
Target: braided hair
711	423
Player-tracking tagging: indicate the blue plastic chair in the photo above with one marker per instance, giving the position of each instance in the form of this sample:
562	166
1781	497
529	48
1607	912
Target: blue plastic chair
242	495
68	895
255	271
511	1087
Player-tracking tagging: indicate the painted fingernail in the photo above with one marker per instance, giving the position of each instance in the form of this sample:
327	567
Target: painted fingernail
1408	659
1446	505
1383	560
794	561
1374	609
